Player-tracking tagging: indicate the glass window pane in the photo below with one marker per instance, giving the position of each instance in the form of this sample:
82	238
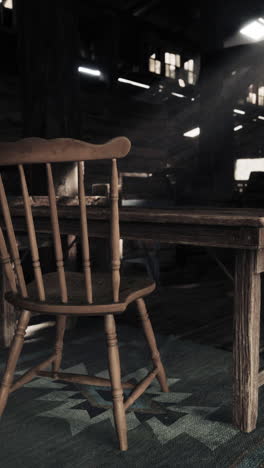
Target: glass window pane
173	59
191	65
172	71
157	66
261	96
190	77
152	65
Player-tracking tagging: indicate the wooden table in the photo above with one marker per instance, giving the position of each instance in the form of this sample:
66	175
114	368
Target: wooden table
240	229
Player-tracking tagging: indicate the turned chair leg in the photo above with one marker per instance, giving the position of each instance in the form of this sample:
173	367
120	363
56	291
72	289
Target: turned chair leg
60	330
115	377
150	337
14	353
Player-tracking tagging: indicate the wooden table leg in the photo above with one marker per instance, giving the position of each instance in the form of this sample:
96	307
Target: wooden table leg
7	314
246	340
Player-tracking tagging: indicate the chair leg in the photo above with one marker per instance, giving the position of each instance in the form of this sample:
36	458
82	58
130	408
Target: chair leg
150	337
60	330
14	353
115	377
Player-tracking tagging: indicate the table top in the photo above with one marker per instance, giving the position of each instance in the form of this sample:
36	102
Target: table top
186	215
195	215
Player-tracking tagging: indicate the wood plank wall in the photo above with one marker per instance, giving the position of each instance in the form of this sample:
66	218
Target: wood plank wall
154	123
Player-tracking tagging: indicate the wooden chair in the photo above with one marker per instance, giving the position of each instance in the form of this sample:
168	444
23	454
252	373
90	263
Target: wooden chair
71	293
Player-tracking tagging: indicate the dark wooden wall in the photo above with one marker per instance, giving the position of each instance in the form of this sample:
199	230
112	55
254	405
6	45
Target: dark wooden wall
99	109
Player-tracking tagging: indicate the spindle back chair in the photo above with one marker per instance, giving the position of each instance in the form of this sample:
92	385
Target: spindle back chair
69	293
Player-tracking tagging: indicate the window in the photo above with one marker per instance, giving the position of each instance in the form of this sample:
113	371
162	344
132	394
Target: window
173	59
171	62
261	96
6	13
7	4
245	166
154	64
255	94
170	71
189	67
252	96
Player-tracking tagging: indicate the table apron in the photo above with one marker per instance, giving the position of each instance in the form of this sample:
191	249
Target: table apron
188	234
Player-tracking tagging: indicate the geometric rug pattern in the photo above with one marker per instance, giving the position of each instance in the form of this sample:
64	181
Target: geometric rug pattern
159	410
56	424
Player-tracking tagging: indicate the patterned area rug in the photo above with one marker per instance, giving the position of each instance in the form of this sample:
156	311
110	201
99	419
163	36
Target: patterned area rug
59	425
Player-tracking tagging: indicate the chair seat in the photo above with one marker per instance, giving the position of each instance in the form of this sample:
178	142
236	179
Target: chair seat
131	288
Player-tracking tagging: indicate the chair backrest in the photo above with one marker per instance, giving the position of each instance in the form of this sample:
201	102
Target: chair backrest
37	151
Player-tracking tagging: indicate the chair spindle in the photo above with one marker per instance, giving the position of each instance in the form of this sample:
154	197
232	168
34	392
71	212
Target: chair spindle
12	241
84	235
32	235
6	261
36	150
56	235
115	234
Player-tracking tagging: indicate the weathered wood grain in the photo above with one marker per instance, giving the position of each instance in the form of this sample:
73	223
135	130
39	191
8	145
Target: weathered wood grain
12	241
115	377
151	340
31	373
56	235
244	217
208	236
260	261
83	379
32	235
140	388
115	233
13	357
7	313
84	235
261	378
246	341
38	150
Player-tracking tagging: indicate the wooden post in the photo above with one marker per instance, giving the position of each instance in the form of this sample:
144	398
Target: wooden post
246	340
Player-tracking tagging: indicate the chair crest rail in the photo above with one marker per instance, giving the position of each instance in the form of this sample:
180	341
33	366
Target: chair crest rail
38	150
